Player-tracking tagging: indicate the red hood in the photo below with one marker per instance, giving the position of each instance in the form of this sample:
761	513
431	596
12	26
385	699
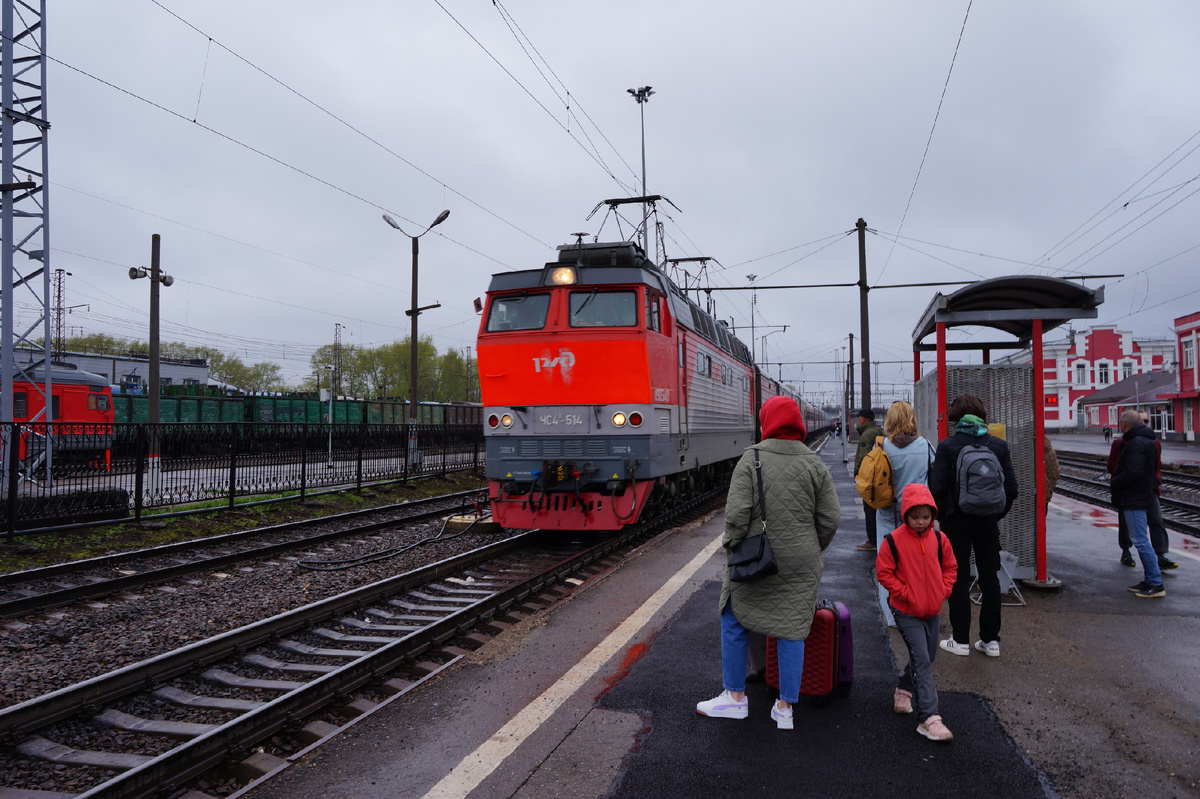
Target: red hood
781	419
916	494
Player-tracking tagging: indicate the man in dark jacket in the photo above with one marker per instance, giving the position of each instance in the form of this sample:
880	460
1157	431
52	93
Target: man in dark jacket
868	431
1133	486
968	531
1158	532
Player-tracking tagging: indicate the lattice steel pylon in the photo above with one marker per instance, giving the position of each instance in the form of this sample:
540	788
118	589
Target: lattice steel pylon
24	202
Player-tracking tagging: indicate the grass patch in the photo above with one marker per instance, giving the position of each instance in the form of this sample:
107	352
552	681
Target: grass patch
44	549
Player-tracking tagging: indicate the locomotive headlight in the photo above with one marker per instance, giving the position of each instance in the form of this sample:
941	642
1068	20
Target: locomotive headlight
619	419
506	420
635	419
563	276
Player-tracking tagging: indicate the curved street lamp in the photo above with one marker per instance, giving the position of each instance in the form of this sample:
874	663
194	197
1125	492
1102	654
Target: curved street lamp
413	313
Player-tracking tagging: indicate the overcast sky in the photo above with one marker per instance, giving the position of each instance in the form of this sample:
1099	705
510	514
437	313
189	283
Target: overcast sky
264	140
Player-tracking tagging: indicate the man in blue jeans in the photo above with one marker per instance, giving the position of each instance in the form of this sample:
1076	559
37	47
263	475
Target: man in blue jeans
1133	486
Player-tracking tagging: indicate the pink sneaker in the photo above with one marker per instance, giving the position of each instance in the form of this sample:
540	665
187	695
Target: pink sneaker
902	701
933	729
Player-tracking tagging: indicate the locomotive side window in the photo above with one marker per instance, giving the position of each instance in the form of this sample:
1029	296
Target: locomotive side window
20	404
703	364
92	402
104	402
56	408
523	312
653	321
597	308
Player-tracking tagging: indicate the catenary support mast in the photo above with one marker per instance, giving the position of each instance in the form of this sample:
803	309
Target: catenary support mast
24	201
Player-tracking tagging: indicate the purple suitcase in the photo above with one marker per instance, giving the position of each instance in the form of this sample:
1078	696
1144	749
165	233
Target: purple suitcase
845	644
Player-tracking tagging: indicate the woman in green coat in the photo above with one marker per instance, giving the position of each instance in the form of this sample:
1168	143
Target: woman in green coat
802	516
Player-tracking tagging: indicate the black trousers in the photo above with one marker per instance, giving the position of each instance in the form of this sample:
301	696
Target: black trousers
982	535
1158	532
872	532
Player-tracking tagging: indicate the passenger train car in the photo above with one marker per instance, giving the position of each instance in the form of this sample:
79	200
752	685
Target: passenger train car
606	390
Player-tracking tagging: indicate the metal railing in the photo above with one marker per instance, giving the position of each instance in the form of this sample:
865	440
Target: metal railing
93	472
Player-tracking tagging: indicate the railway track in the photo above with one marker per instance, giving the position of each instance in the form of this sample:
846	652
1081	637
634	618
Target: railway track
1086	479
39	590
303	674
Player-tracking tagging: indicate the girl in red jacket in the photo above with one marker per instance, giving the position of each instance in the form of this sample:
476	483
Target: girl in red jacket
916	565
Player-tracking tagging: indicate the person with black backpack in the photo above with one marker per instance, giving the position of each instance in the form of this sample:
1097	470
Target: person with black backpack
973	482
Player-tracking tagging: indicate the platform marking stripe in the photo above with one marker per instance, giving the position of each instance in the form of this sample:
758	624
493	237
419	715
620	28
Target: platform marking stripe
475	767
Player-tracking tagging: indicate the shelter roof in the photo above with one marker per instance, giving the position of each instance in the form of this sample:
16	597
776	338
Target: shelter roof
1009	304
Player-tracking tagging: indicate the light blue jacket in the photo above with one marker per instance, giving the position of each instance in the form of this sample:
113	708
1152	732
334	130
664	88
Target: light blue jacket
910	464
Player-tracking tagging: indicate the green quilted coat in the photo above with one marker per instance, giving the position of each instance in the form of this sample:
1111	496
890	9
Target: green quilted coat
802	516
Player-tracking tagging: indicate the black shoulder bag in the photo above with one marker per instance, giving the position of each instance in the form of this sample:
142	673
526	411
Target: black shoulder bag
752	558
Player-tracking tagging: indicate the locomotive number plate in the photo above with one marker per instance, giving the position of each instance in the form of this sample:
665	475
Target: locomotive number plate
566	419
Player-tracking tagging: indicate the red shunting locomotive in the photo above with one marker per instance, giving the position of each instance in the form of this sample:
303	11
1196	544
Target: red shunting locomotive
81	413
606	390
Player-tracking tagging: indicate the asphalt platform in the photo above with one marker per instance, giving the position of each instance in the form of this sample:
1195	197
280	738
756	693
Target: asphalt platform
595	696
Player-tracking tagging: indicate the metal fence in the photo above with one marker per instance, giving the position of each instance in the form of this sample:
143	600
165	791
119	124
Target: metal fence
91	472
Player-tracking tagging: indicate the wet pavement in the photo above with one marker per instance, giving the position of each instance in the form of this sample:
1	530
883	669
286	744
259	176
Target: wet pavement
595	696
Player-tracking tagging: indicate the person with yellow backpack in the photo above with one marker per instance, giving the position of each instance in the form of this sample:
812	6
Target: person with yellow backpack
910	456
868	431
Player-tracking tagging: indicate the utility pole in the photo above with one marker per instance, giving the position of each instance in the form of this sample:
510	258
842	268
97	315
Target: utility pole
336	385
850	365
863	313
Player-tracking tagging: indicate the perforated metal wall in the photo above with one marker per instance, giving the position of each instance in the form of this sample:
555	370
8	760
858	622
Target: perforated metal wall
1007	394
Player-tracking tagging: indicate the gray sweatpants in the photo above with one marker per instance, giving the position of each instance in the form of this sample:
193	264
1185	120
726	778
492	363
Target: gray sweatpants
921	637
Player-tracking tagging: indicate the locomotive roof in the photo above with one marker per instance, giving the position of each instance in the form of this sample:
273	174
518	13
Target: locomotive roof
60	374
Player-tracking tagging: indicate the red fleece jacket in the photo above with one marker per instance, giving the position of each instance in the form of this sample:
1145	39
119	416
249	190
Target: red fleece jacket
918	584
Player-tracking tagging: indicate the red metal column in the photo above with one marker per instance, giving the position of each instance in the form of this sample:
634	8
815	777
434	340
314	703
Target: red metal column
916	367
941	377
1039	455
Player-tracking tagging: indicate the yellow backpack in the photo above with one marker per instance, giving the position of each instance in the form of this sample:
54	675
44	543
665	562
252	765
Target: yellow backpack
874	479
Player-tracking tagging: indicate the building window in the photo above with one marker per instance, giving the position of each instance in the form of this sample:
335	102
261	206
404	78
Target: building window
1102	374
165	381
190	381
1080	374
1112	415
1188	419
1126	370
1189	354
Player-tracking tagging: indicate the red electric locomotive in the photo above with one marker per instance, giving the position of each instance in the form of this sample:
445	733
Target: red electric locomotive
81	412
605	389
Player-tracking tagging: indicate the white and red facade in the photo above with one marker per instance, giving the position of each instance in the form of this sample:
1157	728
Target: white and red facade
1185	400
1092	360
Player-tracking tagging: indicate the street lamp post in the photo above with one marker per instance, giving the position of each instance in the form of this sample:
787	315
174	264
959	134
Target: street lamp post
154	390
413	314
329	461
642	96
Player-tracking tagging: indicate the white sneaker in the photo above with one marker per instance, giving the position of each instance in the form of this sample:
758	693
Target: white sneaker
782	716
955	648
991	648
725	707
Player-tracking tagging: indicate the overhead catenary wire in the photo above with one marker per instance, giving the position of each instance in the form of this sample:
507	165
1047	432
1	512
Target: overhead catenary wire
928	142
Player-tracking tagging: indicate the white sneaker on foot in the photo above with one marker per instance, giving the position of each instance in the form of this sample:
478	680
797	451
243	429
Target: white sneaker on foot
782	716
991	648
724	707
954	647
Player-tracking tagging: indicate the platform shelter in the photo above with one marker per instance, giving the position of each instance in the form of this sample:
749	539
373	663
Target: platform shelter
1023	308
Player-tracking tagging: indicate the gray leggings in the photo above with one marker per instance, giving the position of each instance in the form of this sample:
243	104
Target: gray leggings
921	637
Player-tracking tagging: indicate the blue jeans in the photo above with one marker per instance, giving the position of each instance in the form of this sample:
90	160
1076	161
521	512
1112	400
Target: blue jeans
734	638
1139	534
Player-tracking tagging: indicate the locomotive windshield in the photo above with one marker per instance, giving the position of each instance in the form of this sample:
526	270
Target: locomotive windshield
523	312
597	308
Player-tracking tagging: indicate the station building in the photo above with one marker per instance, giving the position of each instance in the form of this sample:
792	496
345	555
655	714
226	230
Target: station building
1092	360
